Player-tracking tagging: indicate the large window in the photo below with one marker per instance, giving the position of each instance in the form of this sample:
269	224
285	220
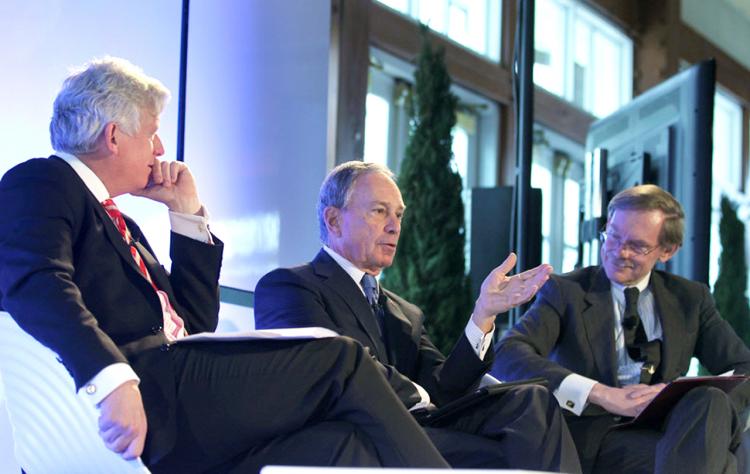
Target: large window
387	127
727	167
581	57
557	169
474	24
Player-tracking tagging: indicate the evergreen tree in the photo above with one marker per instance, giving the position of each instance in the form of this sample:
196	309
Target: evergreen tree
429	269
729	290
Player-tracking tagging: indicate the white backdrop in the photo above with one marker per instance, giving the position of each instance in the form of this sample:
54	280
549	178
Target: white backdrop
255	120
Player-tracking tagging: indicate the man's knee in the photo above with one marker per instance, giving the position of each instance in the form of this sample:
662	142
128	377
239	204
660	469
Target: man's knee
539	395
707	398
345	346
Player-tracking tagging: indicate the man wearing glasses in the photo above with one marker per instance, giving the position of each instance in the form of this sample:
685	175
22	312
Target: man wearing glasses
609	337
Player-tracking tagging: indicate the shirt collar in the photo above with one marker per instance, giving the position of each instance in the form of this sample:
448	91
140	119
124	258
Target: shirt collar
355	273
89	178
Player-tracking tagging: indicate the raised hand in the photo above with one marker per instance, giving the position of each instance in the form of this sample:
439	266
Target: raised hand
172	183
501	292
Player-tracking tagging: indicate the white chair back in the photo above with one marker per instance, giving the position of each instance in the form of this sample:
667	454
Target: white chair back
54	431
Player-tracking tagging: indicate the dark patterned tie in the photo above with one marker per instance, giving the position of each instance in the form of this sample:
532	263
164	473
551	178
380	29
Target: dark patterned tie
640	349
370	285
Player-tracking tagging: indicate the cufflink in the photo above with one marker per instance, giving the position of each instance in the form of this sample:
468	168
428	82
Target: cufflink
91	389
649	368
570	404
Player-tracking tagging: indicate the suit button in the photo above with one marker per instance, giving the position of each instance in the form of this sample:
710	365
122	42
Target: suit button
164	348
155	329
617	418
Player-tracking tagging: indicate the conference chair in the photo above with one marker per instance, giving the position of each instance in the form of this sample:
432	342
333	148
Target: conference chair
54	431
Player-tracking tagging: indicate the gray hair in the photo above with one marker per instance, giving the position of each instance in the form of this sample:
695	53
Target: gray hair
337	187
103	91
649	197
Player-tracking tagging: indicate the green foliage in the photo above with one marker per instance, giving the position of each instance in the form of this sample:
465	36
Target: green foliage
429	269
729	290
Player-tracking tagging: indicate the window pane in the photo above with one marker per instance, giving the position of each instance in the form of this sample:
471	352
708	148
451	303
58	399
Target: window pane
549	46
570	258
376	129
474	24
726	167
400	5
461	153
581	57
606	86
542	178
571	212
433	13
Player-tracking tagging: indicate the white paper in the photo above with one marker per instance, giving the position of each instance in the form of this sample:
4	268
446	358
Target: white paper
284	333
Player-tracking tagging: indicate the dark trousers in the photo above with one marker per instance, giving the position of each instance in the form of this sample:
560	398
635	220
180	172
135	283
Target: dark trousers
700	435
520	429
242	405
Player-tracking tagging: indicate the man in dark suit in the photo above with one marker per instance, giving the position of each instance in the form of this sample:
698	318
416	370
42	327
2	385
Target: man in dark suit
608	337
360	210
82	279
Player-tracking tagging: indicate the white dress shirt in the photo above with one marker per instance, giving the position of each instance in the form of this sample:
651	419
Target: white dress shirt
479	341
573	392
192	226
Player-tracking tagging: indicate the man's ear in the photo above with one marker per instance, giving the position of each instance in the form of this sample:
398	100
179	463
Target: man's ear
668	252
332	219
110	134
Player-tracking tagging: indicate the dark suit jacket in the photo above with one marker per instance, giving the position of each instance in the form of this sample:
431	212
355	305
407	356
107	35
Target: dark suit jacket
321	293
570	329
68	279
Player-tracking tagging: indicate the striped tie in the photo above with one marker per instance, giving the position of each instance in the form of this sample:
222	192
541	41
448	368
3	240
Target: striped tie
174	326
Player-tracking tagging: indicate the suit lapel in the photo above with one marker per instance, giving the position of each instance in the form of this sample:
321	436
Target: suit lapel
401	343
672	325
339	282
598	321
114	236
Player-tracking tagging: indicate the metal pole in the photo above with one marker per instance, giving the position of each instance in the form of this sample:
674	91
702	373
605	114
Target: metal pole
524	87
183	81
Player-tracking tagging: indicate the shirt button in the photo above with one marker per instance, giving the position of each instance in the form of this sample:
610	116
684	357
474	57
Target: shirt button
91	389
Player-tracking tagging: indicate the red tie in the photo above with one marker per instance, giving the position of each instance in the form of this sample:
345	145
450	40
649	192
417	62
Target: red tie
174	326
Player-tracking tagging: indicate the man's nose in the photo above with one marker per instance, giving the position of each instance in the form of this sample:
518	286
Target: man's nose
393	226
158	147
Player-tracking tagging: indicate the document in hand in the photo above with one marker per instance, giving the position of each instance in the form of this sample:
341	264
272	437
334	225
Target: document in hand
426	417
654	413
313	332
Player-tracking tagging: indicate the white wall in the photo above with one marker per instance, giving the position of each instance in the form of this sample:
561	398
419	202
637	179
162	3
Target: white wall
256	112
256	127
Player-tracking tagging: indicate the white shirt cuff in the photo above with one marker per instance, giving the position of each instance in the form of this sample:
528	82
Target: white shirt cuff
425	398
106	381
191	225
479	341
573	392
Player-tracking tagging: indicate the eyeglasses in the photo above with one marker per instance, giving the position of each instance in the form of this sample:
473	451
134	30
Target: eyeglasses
613	241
